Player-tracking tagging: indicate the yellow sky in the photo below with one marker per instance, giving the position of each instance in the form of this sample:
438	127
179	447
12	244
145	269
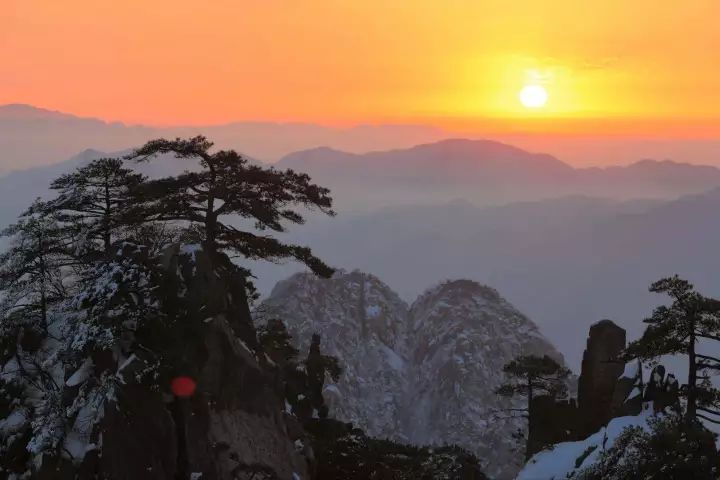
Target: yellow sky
641	64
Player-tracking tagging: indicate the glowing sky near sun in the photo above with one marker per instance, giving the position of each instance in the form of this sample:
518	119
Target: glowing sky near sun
338	62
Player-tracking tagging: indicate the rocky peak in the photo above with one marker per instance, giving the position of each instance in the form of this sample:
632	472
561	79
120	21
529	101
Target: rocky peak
424	374
362	322
601	367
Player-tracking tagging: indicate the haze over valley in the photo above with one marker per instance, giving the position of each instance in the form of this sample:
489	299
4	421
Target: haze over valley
568	246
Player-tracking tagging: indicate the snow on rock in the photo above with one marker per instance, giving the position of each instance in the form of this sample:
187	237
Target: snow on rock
362	323
632	370
423	374
82	374
13	422
463	334
566	458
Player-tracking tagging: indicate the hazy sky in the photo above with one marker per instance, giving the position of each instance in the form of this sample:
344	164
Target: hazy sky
614	66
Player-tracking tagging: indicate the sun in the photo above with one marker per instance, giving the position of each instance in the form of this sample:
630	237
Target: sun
533	96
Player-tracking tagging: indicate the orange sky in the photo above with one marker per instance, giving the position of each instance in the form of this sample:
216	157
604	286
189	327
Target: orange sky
610	66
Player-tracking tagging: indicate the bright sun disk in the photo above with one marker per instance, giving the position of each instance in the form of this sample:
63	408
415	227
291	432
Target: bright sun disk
533	96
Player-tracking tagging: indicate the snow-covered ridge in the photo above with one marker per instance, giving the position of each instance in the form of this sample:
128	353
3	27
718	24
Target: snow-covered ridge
569	457
424	373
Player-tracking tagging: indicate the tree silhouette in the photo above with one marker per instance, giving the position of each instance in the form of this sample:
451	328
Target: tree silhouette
277	342
677	329
92	202
228	185
532	376
30	271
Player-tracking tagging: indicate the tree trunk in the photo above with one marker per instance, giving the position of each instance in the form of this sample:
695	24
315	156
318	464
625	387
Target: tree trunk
210	215
106	218
530	400
692	375
43	286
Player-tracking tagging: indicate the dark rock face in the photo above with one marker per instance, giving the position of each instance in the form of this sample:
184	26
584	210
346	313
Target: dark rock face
551	421
628	398
149	453
346	453
233	427
663	390
601	368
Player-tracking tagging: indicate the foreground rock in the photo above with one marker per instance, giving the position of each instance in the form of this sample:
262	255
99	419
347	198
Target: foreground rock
347	453
231	427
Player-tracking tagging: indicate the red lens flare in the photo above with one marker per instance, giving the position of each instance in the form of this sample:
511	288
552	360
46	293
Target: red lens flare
183	386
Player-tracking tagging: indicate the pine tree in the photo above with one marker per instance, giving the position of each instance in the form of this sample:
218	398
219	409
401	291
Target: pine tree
92	203
678	329
228	185
532	376
30	272
276	342
669	449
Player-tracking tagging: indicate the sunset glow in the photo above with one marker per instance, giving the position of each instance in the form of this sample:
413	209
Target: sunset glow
182	62
533	96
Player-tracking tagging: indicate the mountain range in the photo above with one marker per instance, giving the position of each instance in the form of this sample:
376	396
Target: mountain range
31	136
424	373
481	172
485	173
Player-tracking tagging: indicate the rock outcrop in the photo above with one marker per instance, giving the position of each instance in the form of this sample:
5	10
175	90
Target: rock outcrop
234	425
423	374
608	388
601	368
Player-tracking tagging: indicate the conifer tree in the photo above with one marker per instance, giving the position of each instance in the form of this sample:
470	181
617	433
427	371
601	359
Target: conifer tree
276	341
532	376
678	329
666	448
30	271
228	185
92	203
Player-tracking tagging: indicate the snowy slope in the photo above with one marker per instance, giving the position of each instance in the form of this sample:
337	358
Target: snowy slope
569	457
424	374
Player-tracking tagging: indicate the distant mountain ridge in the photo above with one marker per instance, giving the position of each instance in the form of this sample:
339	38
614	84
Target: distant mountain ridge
423	373
487	172
31	136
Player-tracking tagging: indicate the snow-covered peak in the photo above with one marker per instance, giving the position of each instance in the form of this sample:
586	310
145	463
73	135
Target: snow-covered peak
423	374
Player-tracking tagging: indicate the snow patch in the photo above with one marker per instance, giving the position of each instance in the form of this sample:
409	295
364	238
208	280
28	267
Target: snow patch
82	374
631	370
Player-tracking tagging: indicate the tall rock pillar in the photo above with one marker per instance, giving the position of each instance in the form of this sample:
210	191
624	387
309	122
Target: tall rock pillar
601	367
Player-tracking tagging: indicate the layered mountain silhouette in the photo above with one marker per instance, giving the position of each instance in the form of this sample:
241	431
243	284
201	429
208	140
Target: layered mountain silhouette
31	136
486	172
481	172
